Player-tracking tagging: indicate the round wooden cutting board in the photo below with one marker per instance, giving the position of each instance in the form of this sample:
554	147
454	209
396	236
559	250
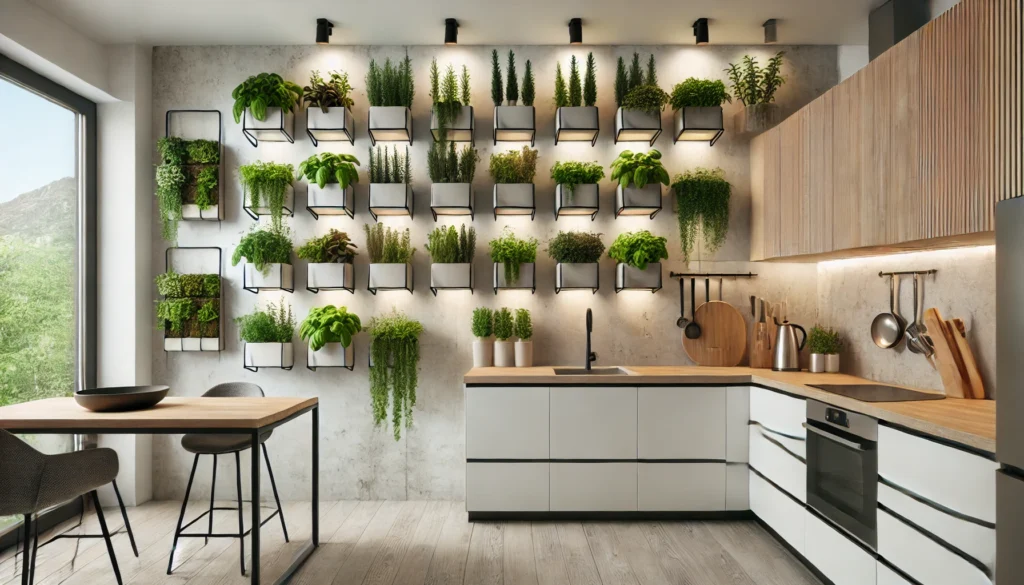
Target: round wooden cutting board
723	336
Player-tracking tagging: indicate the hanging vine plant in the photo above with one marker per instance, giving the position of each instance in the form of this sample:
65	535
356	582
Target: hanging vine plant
702	205
267	183
394	347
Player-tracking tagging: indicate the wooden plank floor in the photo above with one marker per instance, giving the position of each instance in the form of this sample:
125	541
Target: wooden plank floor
424	543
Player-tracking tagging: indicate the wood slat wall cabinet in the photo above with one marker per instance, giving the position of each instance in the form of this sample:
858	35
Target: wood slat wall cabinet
911	152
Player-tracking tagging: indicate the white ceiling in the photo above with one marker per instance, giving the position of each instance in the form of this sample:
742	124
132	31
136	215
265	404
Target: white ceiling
421	22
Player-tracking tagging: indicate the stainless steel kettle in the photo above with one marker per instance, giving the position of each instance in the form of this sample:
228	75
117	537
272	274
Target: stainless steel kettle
787	351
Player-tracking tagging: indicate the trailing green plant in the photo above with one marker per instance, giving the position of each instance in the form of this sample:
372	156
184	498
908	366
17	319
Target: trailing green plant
263	246
621	83
202	152
266	90
448	100
639	169
702	205
497	95
390	85
590	82
561	92
328	167
483	322
385	245
188	173
267	184
445	165
334	247
571	173
329	324
504	326
523	326
394	347
275	324
638	249
575	247
173	150
649	99
207	317
388	166
206	187
529	92
699	93
752	84
171	314
824	340
446	245
513	251
514	166
575	88
333	92
512	89
170	182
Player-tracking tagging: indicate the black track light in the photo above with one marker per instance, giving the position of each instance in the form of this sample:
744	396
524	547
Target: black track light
770	32
324	28
451	31
700	31
576	31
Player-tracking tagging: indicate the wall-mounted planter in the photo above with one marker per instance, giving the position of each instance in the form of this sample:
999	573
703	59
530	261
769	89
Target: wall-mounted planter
330	276
455	276
515	124
632	278
191	211
461	128
268	355
390	199
636	126
699	124
331	200
577	125
278	277
389	277
262	209
757	118
211	344
527	278
515	199
332	355
451	199
334	125
390	124
635	201
573	276
277	126
582	200
211	333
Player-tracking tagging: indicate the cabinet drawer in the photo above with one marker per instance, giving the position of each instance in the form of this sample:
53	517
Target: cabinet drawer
737	487
780	413
956	479
737	415
593	487
507	423
922	558
681	423
887	576
835	555
507	487
777	464
593	422
778	511
682	487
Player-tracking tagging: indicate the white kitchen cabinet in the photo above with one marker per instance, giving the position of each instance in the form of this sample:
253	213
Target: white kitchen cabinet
785	516
778	412
681	422
507	487
681	487
594	422
737	414
777	463
594	487
887	576
835	555
737	486
922	558
507	422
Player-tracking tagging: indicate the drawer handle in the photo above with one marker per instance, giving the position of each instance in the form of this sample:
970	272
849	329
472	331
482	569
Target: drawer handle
774	432
935	505
779	444
833	438
937	540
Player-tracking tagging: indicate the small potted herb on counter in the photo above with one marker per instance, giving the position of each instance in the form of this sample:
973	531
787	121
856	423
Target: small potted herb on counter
825	345
504	329
638	256
267	334
483	346
329	331
524	345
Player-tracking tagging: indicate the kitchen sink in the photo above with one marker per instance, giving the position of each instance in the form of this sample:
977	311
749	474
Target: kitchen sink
611	371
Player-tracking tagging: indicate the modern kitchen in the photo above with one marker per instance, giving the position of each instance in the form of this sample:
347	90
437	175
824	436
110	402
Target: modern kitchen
432	293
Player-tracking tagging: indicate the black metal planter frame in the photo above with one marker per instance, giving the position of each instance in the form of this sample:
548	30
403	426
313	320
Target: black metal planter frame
470	288
220	299
248	209
559	128
220	170
409	285
257	289
560	209
472	128
675	138
619	289
471	208
247	132
532	208
316	290
616	139
619	210
351	367
494	281
407	129
533	131
281	367
351	135
593	289
410	203
350	212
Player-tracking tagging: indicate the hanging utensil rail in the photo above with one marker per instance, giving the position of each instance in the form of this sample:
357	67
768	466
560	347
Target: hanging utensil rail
906	272
711	275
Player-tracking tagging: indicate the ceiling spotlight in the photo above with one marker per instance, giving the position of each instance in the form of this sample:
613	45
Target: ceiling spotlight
576	31
770	33
324	28
700	31
451	31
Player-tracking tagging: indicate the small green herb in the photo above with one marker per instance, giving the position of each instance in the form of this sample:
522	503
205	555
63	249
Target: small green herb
523	326
590	82
173	313
275	324
334	247
329	324
328	167
572	173
649	99
576	247
483	322
503	325
264	246
173	150
388	246
638	249
444	165
638	169
752	84
446	245
824	340
203	152
266	90
699	93
390	85
393	168
575	88
331	93
394	346
514	166
267	184
497	95
529	93
206	187
170	185
513	251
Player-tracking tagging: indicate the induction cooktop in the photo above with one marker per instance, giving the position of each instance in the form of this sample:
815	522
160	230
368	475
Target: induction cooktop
877	392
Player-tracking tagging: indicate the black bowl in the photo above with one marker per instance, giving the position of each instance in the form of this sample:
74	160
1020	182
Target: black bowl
121	398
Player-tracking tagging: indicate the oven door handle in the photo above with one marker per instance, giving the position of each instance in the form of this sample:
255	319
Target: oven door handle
831	437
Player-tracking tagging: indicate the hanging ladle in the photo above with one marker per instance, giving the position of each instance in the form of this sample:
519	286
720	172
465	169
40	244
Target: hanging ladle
682	320
692	330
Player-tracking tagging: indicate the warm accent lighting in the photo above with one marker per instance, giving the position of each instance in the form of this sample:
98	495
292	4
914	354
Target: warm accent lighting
576	31
770	32
451	31
324	28
700	31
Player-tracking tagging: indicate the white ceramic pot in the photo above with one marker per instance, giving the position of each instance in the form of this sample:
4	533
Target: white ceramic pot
631	277
483	353
269	355
330	276
263	209
504	354
277	277
390	123
581	276
524	354
526	276
334	125
456	275
331	200
832	363
461	128
332	355
273	128
817	363
390	276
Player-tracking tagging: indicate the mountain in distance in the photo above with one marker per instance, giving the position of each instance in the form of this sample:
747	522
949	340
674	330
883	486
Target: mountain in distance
47	212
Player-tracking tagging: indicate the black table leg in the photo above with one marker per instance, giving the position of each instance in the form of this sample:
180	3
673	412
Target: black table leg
254	496
316	476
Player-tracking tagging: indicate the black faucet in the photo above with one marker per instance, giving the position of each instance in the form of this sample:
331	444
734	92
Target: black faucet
591	356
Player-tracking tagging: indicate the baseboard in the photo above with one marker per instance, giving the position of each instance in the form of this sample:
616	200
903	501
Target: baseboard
800	557
633	516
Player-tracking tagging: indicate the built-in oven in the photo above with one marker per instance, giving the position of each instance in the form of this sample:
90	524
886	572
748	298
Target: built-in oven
842	469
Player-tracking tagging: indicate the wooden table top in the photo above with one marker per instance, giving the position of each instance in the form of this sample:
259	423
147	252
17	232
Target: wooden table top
171	413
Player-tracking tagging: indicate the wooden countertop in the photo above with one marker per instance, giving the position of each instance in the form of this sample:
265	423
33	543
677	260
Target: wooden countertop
969	422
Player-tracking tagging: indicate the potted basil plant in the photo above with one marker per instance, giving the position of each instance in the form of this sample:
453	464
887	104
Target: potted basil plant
330	180
265	105
329	331
638	257
639	177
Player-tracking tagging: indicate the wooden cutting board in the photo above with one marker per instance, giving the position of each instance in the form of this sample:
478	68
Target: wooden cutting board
967	357
723	336
947	357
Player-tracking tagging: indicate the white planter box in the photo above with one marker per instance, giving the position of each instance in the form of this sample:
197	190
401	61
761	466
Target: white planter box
583	276
632	278
459	275
636	126
331	200
699	124
390	124
335	125
278	277
191	211
524	354
504	354
582	200
515	124
390	199
331	355
514	199
634	201
390	277
269	355
576	124
526	280
277	126
176	344
451	199
461	128
262	209
330	276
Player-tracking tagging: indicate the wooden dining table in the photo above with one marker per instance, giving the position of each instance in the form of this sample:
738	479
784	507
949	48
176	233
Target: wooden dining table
176	415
